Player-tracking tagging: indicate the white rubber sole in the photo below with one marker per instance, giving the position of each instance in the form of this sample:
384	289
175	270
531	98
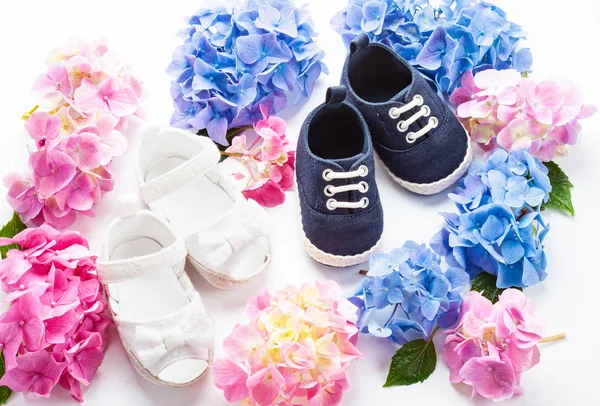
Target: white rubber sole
437	186
338	261
222	281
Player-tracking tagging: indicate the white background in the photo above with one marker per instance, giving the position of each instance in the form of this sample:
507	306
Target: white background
564	45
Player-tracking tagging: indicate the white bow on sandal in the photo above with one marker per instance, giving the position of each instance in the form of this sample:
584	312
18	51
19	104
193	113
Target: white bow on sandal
159	315
227	237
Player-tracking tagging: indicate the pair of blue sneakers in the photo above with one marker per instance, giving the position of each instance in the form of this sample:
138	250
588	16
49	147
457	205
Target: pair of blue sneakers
382	106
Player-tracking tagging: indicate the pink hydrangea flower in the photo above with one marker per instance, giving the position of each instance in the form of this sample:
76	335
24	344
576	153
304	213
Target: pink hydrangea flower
36	374
52	171
55	84
491	377
520	134
267	163
494	344
57	317
501	109
44	129
265	192
10	341
94	106
231	379
109	95
83	149
112	142
330	394
81	194
274	123
25	316
84	358
298	345
265	385
22	196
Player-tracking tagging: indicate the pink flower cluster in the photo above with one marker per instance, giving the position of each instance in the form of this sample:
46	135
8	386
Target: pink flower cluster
268	161
94	104
55	328
494	344
298	345
500	108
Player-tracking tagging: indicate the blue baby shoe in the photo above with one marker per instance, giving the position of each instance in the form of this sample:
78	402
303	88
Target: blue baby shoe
415	134
340	208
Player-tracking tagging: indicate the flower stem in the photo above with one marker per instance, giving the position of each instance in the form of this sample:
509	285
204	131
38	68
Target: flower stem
55	109
256	140
553	338
433	333
223	153
26	116
393	314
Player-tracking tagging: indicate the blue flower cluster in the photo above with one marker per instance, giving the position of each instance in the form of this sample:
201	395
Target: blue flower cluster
406	294
263	52
442	41
499	229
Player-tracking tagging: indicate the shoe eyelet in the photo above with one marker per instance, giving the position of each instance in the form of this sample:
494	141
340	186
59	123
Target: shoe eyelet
331	204
365	202
326	174
410	139
419	99
328	191
434	121
393	113
364	187
364	169
426	111
401	127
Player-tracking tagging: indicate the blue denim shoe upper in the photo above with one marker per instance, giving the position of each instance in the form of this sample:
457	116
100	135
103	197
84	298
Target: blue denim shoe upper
414	132
341	210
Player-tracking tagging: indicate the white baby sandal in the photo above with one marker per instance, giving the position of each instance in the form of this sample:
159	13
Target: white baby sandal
159	315
227	236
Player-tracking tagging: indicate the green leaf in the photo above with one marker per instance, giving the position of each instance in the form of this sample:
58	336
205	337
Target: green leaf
560	196
5	391
12	228
485	283
414	362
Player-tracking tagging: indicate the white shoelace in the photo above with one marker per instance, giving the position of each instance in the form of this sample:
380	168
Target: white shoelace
362	187
424	111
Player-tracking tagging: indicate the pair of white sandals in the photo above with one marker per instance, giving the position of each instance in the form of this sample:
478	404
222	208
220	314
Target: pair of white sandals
195	214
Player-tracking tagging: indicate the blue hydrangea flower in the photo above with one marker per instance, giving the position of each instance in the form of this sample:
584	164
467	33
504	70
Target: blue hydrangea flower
443	40
261	49
373	16
206	77
438	50
215	116
499	228
277	20
242	93
407	294
486	26
231	61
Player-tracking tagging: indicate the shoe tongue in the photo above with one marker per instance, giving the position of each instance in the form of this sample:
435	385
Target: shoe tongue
350	164
402	96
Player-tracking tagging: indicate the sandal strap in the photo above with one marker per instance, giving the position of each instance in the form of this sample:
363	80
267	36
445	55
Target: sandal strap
193	168
131	268
184	334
